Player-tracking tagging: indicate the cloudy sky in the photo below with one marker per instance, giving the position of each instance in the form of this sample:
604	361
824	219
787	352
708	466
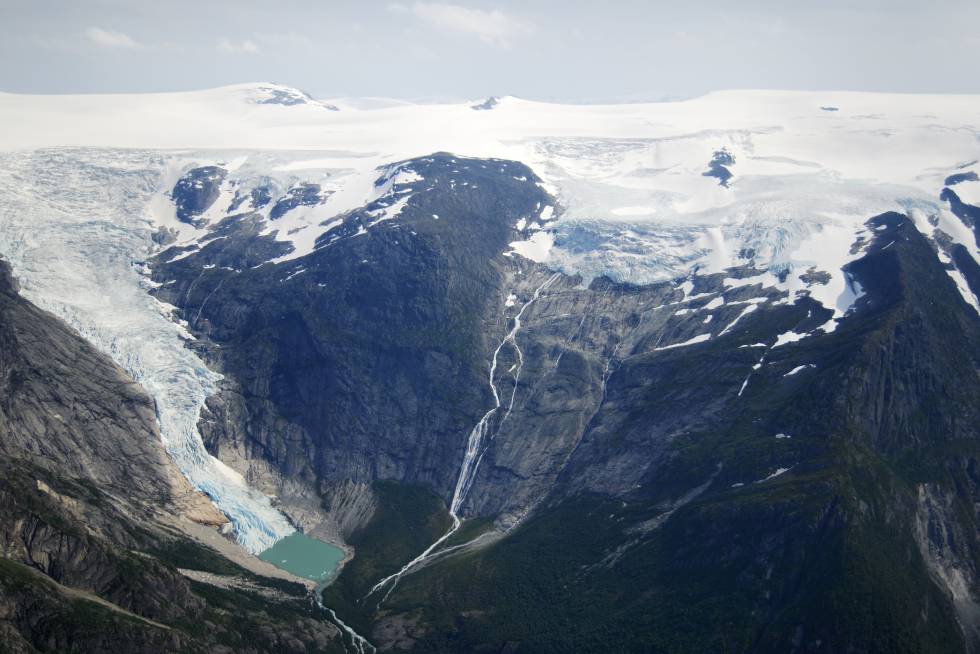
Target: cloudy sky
572	50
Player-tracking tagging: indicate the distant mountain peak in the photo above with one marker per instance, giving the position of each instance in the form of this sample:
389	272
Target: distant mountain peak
286	96
487	104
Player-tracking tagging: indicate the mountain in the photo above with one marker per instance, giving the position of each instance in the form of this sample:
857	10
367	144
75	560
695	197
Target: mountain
693	376
104	542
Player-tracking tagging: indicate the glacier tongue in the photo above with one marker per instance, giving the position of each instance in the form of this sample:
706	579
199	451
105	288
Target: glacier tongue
72	225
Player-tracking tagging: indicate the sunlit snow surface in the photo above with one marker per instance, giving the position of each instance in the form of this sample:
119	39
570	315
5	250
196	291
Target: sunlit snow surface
632	200
635	203
72	225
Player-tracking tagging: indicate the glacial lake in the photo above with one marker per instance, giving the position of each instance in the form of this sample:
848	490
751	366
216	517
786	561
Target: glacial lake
304	557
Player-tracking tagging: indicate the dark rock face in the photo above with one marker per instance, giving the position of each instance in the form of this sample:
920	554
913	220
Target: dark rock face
969	214
659	450
307	195
61	402
777	512
487	104
88	543
967	266
196	191
958	178
260	196
38	615
718	167
364	360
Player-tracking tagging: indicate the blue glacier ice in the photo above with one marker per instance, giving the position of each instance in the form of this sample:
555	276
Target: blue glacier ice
73	226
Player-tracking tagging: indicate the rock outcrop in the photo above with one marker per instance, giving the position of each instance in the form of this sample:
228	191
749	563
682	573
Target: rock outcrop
739	451
90	514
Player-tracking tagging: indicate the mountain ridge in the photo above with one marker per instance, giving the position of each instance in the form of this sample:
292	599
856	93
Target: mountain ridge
711	364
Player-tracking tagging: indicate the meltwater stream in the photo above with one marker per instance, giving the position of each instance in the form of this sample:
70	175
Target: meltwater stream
72	226
476	445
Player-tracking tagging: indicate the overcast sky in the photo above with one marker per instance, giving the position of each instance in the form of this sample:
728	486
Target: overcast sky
572	50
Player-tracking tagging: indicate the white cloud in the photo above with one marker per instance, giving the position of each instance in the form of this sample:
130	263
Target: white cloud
493	26
110	38
246	46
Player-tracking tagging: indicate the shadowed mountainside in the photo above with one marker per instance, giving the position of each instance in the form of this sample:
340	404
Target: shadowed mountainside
93	513
697	457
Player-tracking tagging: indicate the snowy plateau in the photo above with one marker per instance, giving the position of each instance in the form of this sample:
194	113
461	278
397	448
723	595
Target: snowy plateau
641	193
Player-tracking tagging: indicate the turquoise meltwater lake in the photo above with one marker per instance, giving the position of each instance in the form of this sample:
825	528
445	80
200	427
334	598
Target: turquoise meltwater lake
304	557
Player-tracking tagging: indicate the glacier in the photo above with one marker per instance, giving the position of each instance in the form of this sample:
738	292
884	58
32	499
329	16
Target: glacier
73	225
85	183
633	201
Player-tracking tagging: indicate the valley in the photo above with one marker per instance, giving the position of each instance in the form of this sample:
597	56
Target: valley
708	365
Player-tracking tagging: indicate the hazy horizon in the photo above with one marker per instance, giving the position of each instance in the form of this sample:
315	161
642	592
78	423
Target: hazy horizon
441	51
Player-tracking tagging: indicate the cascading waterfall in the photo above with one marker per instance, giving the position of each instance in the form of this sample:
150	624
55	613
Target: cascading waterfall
476	446
358	642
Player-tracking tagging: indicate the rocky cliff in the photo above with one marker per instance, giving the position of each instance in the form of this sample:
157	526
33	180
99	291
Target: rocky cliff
707	383
711	453
95	551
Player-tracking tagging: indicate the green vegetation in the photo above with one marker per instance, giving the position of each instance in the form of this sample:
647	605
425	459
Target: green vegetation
796	555
60	621
470	530
408	519
821	558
